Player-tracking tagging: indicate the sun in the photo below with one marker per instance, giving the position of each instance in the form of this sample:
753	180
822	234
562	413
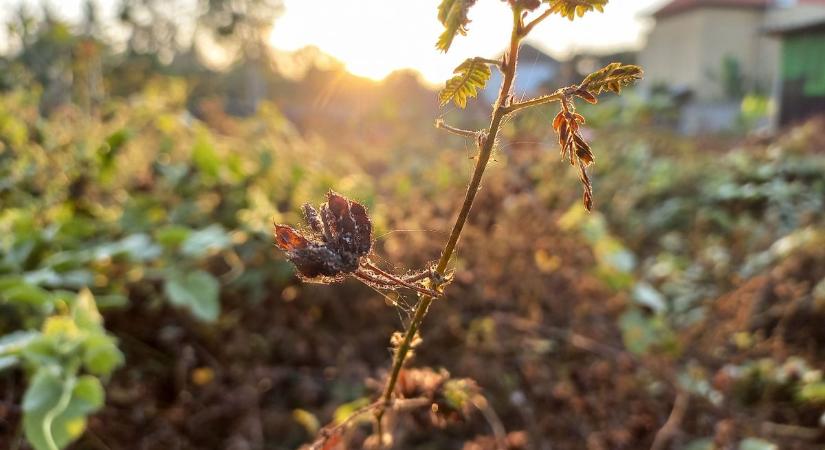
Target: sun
373	38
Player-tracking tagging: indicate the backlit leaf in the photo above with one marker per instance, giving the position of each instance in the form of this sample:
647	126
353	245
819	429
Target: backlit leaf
453	15
471	75
573	8
611	77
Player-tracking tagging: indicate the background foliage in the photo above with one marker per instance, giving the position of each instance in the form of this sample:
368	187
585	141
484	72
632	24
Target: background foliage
143	303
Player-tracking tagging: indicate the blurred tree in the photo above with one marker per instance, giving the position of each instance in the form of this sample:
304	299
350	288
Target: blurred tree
45	51
179	37
87	60
168	27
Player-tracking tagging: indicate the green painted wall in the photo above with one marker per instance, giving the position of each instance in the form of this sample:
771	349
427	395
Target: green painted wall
803	59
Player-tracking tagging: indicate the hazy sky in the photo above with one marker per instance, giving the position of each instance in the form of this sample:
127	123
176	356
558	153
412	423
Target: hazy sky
375	37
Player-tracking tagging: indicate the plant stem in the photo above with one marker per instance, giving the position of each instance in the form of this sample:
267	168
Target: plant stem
554	97
499	111
440	124
536	21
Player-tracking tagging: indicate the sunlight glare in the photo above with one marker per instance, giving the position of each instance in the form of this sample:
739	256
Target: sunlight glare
376	37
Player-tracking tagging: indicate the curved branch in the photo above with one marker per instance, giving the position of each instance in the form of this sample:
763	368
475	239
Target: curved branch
529	27
674	421
499	432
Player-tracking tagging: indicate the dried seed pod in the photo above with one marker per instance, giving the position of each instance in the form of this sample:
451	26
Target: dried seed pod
338	244
340	236
573	147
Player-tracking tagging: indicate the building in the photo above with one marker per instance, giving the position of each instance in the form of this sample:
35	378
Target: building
710	53
538	72
801	87
705	46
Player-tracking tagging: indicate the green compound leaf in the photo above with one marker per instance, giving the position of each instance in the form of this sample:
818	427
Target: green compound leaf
198	291
471	75
453	15
573	8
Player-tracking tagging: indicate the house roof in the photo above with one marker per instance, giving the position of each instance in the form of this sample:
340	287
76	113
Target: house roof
535	56
806	15
813	24
680	6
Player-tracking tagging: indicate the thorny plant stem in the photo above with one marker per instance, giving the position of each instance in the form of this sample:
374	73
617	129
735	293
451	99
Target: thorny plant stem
554	97
500	110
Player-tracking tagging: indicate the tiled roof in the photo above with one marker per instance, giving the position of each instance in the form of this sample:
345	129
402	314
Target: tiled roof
680	6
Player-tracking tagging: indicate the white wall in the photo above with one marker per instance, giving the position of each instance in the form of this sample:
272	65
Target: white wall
687	50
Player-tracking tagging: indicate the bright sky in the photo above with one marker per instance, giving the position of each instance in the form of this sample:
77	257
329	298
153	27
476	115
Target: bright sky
375	37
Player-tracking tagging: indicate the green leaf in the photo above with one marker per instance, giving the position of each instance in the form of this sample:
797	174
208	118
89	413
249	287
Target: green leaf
640	332
85	313
89	391
459	392
757	444
573	8
345	411
171	236
55	408
15	342
646	295
137	247
200	243
453	15
44	390
20	251
111	301
15	290
471	75
700	444
307	420
111	147
101	355
205	157
7	362
198	291
813	392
